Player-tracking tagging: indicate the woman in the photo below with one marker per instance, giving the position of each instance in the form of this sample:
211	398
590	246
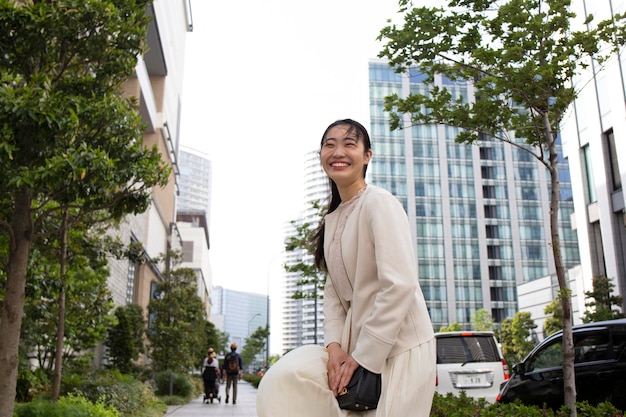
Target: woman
211	377
374	311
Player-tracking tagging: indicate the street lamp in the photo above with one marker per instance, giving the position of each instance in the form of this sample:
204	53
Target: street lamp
250	321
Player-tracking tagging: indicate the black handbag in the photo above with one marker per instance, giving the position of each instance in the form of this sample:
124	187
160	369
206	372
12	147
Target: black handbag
362	392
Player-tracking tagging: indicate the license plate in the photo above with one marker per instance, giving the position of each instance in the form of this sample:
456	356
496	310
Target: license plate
471	380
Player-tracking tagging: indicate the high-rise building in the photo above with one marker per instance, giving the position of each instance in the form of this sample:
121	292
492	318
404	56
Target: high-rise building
192	218
196	175
303	318
239	314
593	139
479	214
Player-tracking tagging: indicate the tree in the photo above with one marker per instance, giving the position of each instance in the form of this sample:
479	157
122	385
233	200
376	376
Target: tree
601	301
554	322
177	321
452	327
303	243
254	344
521	57
213	337
69	138
482	320
86	285
125	341
515	337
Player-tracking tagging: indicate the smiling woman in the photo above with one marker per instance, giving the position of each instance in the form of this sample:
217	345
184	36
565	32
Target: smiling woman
375	315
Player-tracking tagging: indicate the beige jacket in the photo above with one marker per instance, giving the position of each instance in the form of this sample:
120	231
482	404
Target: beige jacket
389	314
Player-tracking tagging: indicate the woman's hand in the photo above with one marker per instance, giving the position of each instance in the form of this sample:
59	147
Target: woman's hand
340	368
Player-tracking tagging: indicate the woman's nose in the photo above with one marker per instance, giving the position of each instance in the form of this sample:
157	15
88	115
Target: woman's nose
339	150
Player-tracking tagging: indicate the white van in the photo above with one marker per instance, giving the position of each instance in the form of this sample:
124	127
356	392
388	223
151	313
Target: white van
471	362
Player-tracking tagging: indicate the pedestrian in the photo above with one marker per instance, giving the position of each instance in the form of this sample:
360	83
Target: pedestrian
232	367
375	314
211	377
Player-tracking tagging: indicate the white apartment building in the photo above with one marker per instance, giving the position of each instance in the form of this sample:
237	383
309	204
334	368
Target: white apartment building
594	142
303	318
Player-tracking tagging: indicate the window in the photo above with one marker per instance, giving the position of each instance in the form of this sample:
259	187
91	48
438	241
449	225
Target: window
491	212
495	272
493	252
549	357
492	231
613	163
589	178
592	346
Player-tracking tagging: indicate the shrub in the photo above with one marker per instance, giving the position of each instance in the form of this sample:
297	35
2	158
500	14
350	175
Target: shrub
123	392
181	386
253	379
68	406
31	383
461	405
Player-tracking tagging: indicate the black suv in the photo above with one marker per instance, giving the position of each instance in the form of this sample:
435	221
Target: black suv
599	364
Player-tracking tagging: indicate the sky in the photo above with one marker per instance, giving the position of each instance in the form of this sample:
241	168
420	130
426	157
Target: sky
262	81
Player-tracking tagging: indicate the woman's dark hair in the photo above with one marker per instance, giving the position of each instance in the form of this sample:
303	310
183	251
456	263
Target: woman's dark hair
361	134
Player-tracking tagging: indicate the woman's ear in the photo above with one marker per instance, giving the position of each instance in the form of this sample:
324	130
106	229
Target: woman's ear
368	156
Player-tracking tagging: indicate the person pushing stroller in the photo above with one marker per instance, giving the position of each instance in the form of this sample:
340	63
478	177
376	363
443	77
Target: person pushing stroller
211	376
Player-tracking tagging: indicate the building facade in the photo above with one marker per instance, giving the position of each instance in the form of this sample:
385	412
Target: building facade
157	85
239	314
478	214
193	207
196	176
593	136
303	318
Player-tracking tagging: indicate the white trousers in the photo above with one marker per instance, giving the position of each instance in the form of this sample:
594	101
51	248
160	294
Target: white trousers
297	385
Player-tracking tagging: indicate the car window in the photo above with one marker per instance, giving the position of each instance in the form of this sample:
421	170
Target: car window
619	343
591	346
550	356
464	349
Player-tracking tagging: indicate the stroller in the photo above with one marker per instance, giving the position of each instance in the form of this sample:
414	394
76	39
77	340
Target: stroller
210	377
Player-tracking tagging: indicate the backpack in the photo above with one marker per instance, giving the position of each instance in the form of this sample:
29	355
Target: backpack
232	363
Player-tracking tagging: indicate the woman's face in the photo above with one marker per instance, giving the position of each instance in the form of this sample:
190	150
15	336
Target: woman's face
343	155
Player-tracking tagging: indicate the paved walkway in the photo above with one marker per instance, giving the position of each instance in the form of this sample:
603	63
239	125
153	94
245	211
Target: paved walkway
245	407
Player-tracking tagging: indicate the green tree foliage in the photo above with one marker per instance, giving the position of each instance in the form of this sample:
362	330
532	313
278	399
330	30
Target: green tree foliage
521	56
86	284
125	340
213	337
603	304
69	139
515	337
554	319
482	320
312	281
177	322
452	327
255	344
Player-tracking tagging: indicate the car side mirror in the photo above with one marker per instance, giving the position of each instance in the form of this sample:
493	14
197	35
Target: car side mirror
519	368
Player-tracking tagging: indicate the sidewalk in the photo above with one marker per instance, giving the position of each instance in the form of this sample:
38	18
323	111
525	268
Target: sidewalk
245	407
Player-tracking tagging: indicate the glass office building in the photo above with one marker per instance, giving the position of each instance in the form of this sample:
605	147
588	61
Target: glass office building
478	213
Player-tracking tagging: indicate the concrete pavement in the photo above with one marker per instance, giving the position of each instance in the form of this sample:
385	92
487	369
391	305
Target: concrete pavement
245	407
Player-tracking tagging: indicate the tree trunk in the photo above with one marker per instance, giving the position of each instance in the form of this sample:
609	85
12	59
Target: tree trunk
569	381
58	356
21	235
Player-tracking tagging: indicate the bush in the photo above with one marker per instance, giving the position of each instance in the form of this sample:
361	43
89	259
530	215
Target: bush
30	384
461	405
181	385
69	406
253	379
122	392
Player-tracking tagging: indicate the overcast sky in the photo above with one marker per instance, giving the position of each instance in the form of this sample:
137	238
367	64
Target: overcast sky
262	82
